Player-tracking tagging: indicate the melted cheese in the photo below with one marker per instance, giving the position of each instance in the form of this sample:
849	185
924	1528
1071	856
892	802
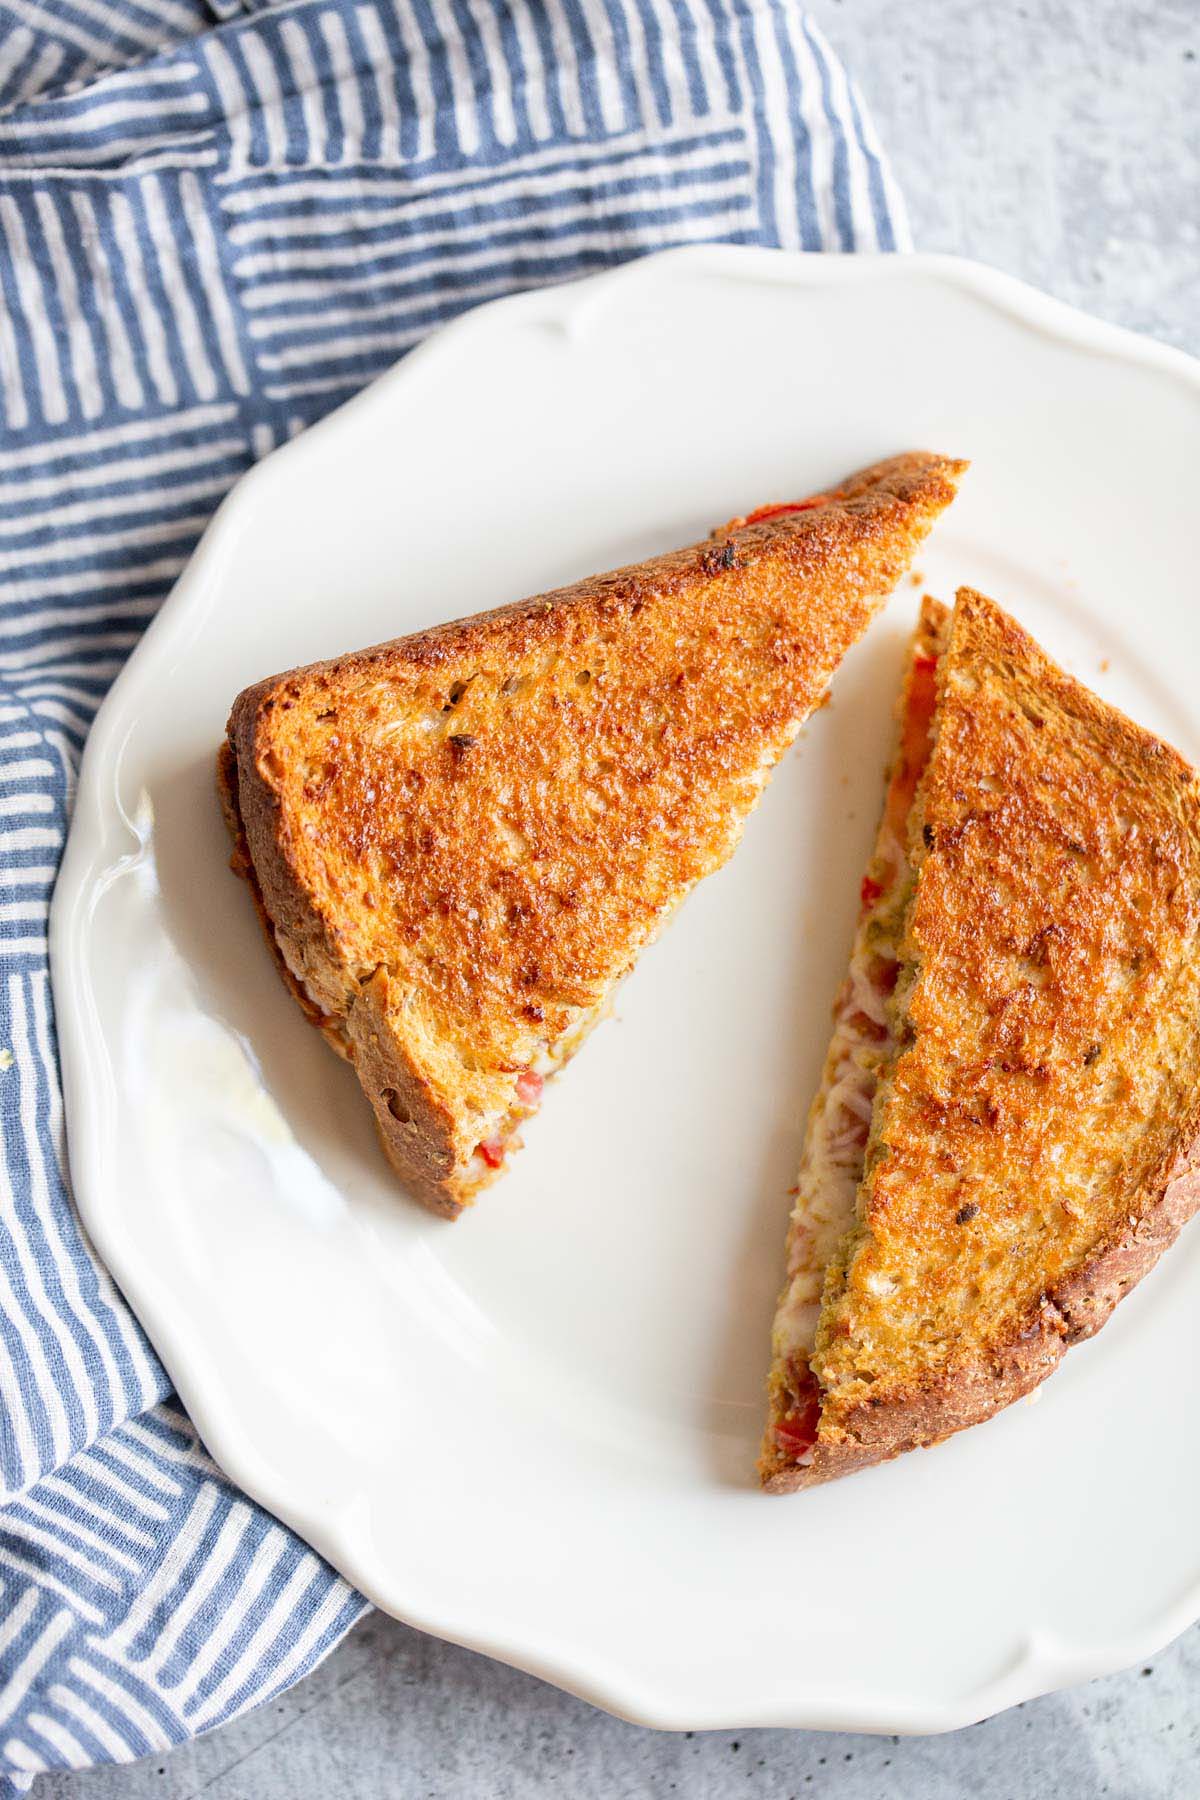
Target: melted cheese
831	1166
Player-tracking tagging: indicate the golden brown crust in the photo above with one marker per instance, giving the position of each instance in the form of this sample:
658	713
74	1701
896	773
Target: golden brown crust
242	865
1038	1147
412	1129
462	839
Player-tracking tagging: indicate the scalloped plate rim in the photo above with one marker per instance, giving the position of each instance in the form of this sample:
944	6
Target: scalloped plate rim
1043	1664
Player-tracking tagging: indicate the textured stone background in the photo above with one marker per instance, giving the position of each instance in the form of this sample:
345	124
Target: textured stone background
1060	141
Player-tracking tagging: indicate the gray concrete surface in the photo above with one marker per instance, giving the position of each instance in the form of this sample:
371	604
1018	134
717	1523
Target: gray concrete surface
396	1716
1059	141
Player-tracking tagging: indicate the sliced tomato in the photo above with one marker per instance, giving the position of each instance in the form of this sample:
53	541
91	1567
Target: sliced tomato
492	1151
529	1087
762	513
796	1432
915	735
870	892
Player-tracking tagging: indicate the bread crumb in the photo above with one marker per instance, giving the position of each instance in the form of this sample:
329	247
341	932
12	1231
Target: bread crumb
1105	665
6	1058
917	578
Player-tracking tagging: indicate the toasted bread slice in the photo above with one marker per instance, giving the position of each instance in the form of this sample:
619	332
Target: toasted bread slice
1034	1098
860	1049
460	841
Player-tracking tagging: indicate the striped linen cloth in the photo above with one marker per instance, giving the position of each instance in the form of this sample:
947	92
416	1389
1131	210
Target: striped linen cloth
216	222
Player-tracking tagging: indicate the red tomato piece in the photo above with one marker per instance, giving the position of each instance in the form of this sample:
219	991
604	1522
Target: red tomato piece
785	506
796	1434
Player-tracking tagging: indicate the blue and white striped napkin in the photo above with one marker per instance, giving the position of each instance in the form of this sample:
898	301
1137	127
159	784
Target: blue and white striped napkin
217	222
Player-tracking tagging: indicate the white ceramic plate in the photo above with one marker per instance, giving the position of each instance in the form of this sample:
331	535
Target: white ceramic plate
534	1431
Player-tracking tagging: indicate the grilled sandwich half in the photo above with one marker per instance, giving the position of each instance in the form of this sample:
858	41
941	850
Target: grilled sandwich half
460	841
1007	1131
